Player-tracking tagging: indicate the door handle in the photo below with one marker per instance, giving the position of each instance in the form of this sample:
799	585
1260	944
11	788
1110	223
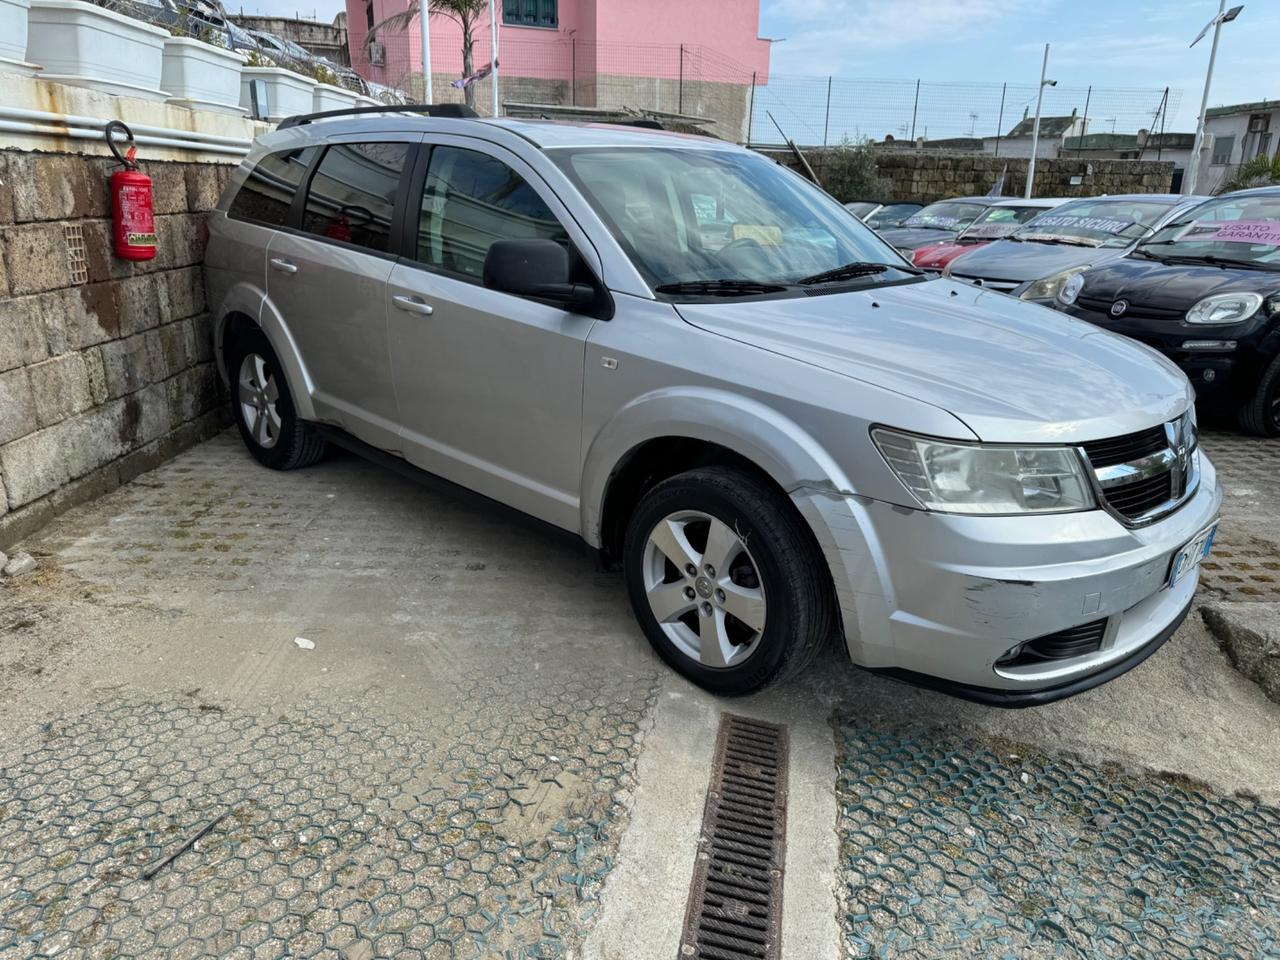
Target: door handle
284	266
414	305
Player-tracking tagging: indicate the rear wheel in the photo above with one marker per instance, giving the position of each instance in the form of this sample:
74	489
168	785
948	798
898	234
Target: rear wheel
1260	414
726	580
264	410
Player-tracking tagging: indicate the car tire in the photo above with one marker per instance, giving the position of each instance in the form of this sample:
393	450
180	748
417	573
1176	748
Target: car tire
263	407
1260	414
771	573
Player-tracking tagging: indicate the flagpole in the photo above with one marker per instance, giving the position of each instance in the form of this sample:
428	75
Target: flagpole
424	20
493	51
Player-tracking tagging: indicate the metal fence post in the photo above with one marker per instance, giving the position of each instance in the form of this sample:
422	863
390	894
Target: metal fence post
1004	87
914	107
680	109
1084	129
573	71
826	124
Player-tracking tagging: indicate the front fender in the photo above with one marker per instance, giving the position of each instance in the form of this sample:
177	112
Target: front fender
772	441
251	300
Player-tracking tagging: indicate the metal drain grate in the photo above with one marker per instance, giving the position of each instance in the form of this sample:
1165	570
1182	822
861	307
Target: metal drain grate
735	904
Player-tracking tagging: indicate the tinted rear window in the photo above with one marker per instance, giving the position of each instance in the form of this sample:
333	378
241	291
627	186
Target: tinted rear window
267	193
353	194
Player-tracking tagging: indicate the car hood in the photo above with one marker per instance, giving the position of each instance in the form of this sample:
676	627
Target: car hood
938	255
1023	260
1172	286
1011	371
909	238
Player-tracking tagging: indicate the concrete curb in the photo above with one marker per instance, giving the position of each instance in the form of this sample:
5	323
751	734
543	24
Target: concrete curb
1249	633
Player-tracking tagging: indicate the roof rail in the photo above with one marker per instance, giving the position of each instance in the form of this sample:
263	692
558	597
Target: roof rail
458	111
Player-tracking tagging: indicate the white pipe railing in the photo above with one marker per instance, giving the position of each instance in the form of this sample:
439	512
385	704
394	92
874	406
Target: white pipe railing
48	124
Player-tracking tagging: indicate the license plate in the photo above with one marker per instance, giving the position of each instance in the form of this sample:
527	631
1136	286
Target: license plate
1189	557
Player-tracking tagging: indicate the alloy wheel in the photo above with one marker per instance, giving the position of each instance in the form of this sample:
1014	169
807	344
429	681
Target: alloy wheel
704	588
259	396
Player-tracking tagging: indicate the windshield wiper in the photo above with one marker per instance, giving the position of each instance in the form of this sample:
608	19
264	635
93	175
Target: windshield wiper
720	288
1211	259
859	268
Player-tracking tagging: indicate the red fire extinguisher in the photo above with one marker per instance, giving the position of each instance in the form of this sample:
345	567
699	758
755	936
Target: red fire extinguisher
132	214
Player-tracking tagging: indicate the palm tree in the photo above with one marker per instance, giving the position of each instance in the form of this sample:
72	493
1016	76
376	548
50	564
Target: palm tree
467	13
1261	171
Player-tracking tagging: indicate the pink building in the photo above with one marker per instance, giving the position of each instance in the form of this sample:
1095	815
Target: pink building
695	57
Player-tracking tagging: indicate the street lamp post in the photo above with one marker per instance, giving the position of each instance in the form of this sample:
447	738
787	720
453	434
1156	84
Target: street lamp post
1035	129
1193	166
424	21
493	53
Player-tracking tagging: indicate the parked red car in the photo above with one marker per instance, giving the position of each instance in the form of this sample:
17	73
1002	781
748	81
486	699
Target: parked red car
998	220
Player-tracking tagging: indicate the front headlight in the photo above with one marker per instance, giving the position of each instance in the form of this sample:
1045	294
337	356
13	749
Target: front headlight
1071	289
1225	308
980	479
1047	288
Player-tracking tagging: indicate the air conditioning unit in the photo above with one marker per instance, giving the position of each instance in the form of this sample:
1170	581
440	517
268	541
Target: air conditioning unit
377	54
1260	123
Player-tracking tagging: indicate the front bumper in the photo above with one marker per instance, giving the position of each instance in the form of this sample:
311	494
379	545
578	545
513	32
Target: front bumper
939	599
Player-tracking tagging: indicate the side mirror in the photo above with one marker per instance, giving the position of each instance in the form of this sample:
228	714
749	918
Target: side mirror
537	269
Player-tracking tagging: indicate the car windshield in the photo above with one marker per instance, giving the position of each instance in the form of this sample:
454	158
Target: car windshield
892	215
860	208
691	216
1095	223
996	222
1240	228
945	215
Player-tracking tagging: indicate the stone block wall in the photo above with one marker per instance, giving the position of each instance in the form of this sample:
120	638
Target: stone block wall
106	366
927	175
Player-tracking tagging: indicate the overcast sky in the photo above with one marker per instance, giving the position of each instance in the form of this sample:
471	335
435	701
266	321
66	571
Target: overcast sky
1114	44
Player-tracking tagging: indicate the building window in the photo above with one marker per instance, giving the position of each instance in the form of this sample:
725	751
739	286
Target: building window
530	13
1222	147
368	13
1264	144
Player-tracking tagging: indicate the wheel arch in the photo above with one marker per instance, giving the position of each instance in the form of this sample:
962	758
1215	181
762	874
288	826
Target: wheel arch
246	306
670	431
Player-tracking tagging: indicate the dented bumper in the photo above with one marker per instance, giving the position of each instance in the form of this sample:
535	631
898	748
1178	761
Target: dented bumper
940	598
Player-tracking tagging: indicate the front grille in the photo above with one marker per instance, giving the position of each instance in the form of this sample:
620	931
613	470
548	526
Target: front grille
1144	475
1132	446
1137	311
1132	500
1063	645
1001	286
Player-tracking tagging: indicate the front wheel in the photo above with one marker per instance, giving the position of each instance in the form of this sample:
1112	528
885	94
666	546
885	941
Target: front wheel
726	580
264	410
1260	414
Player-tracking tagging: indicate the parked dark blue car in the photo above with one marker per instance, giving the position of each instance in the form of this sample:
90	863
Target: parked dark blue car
1204	290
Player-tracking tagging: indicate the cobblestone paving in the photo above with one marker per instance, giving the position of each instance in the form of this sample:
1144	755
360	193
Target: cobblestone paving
455	789
341	833
991	850
1244	565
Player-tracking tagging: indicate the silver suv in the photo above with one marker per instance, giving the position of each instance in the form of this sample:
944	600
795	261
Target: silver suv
702	365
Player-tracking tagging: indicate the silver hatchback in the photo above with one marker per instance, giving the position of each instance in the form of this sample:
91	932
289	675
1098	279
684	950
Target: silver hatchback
692	358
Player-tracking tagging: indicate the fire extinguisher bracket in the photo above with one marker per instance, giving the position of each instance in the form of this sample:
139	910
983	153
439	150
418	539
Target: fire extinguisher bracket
132	210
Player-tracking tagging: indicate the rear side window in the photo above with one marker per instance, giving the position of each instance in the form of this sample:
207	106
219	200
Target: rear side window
267	193
472	199
353	193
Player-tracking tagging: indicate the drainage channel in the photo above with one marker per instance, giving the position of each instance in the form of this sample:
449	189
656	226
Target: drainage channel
735	901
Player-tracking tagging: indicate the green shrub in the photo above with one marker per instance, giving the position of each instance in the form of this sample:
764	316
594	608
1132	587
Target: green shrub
849	172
